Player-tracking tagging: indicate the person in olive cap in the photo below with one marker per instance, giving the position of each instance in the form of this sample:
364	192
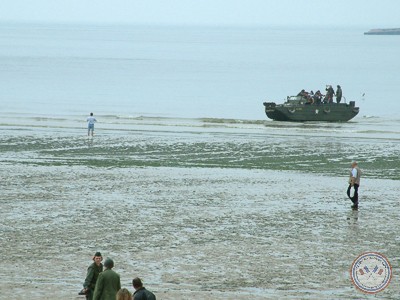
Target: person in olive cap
92	274
140	291
108	283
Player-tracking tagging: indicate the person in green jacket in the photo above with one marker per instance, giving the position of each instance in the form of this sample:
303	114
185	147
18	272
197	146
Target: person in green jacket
339	93
92	274
108	283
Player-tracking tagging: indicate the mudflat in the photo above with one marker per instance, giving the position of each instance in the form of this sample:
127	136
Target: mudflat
191	233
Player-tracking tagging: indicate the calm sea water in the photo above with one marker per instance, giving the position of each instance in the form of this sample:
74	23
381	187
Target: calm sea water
191	72
185	176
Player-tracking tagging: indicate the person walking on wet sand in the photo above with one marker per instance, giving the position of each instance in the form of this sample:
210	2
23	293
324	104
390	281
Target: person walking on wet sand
140	291
108	283
354	181
93	272
91	120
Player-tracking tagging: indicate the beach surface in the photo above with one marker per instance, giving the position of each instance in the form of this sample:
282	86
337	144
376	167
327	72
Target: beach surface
198	233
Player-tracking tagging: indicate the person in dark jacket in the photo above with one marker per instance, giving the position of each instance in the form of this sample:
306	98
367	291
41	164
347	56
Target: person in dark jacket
108	283
329	94
92	274
318	97
140	291
338	94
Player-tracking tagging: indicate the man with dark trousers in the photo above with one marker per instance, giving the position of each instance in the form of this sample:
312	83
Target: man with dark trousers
354	181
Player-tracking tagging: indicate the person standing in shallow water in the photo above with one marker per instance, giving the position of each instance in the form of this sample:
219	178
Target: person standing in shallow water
354	181
93	272
91	120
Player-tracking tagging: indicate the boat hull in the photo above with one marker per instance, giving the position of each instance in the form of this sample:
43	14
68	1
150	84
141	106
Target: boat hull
331	112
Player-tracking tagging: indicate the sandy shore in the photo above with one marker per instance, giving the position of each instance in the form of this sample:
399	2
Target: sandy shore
192	233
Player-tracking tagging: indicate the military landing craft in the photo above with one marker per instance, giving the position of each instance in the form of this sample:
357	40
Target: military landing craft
300	109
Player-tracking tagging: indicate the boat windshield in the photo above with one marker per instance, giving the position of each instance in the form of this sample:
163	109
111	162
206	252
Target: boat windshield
295	100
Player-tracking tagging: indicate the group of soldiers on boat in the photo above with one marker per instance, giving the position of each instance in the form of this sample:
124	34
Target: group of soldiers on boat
318	97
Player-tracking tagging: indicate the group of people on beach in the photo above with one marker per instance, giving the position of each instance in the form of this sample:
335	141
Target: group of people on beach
103	283
318	97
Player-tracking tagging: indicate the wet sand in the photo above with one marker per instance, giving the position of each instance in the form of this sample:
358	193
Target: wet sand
192	233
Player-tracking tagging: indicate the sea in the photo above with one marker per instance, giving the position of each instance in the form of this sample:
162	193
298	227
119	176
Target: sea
185	182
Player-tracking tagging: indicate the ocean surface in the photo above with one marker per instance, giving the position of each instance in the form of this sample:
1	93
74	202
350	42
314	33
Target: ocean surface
186	182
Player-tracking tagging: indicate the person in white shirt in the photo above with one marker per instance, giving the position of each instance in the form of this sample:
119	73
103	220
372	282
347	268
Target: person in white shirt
354	181
90	120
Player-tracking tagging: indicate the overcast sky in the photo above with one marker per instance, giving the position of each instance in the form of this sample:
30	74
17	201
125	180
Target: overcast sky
368	13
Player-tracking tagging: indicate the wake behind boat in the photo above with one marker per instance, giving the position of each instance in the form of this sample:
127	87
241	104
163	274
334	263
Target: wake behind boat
312	107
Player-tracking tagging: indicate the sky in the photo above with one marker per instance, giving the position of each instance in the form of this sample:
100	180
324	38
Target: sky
365	13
